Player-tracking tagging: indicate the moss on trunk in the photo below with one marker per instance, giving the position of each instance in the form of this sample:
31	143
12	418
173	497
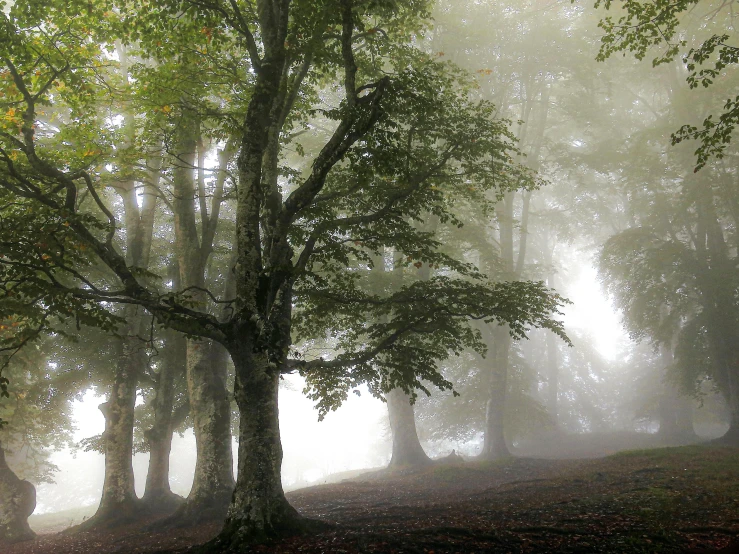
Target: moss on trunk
259	511
17	503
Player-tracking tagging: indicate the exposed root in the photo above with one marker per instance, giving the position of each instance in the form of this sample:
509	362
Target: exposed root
113	516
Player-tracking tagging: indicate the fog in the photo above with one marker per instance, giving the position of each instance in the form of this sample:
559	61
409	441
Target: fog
356	436
336	275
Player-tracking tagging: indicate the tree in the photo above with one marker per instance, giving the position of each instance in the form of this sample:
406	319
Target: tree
397	144
646	24
37	415
683	270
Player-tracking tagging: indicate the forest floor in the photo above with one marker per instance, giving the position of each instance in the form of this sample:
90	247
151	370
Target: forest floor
683	499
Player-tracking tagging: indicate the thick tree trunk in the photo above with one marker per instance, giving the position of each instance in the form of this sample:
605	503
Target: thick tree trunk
259	511
725	350
119	504
17	502
718	297
731	437
210	408
407	449
158	496
494	444
675	418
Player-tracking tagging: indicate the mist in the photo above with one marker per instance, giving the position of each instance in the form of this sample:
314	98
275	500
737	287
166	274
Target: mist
342	276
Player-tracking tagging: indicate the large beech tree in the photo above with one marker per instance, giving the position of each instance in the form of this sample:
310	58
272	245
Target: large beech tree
404	138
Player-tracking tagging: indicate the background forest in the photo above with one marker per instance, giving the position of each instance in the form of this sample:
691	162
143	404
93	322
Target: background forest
380	209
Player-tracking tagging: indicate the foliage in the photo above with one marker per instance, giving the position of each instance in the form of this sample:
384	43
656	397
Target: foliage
420	153
38	410
645	24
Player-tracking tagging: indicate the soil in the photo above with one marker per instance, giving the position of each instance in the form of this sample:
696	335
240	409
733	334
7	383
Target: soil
682	499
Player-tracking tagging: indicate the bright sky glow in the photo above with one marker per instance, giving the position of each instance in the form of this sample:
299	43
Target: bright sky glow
593	313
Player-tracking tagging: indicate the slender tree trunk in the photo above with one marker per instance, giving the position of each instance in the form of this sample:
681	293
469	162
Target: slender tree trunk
206	363
158	495
17	503
552	378
494	445
675	410
119	504
407	449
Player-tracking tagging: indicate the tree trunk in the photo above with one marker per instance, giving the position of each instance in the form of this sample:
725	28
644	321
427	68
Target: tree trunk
17	502
718	296
675	409
675	418
210	408
494	445
119	504
158	496
731	437
259	511
552	379
407	449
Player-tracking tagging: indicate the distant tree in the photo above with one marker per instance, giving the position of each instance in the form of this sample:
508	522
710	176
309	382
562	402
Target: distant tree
643	25
684	269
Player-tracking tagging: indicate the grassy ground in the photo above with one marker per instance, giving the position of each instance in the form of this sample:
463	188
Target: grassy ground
642	501
58	521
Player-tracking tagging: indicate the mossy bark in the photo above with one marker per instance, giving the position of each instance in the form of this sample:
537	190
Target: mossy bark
213	482
158	496
17	503
119	504
407	449
259	511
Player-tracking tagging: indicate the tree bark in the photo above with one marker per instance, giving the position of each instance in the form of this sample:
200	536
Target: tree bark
206	363
715	280
259	511
675	418
675	409
17	503
407	449
158	496
494	443
119	504
213	482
